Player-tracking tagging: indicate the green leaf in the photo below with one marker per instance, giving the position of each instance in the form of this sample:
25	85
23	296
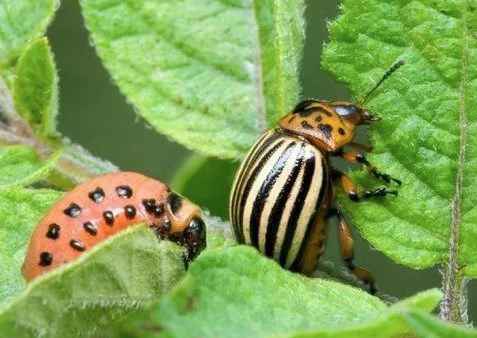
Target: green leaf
408	322
427	136
118	277
207	182
36	88
210	74
427	326
21	21
21	166
20	210
390	324
236	292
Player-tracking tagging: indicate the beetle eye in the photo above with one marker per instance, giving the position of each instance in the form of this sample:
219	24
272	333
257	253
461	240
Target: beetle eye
195	236
346	111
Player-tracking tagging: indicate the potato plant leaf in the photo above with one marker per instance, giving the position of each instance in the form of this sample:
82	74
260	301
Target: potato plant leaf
210	74
427	326
21	21
236	292
36	88
20	210
427	136
116	278
21	166
398	322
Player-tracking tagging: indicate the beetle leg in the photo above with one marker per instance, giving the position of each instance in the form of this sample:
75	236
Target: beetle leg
350	188
361	147
358	157
346	249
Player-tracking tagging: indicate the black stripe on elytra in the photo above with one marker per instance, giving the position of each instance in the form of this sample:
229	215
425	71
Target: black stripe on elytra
256	151
297	208
265	189
249	183
279	206
321	196
259	149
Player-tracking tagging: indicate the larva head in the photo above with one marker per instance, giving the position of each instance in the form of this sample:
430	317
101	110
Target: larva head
328	125
187	225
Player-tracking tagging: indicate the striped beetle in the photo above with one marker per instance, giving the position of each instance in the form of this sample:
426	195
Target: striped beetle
282	194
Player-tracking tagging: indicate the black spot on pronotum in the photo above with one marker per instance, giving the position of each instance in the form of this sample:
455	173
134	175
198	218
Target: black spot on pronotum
77	245
124	191
97	195
108	217
73	210
90	228
326	129
53	231
341	131
149	204
290	120
302	106
306	125
46	259
130	211
175	202
318	118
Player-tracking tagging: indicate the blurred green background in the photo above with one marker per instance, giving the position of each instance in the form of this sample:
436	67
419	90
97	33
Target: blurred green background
96	115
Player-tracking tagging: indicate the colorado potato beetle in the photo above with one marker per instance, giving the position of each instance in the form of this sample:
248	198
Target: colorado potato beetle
105	205
283	195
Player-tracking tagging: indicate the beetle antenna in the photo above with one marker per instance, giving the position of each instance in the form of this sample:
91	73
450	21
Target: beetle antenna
386	75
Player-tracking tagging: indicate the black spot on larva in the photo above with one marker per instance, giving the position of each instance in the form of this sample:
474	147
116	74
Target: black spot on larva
53	231
326	129
341	131
130	211
90	228
73	210
149	204
306	125
46	258
77	245
124	191
158	210
175	202
97	195
108	217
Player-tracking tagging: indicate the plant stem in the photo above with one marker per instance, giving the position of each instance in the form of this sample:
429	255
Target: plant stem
454	304
75	164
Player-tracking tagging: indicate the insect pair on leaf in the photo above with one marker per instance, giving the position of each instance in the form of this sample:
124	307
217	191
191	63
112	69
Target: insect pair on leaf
281	200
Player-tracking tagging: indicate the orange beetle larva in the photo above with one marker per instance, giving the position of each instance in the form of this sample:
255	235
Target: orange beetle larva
103	206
